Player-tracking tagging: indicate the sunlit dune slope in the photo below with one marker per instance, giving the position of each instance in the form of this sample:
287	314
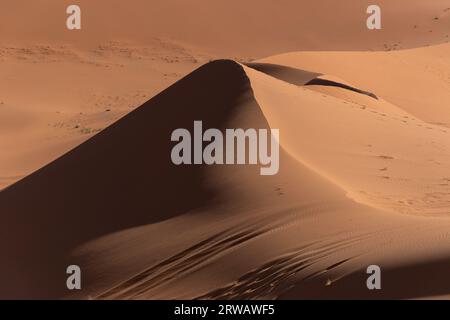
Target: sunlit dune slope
417	80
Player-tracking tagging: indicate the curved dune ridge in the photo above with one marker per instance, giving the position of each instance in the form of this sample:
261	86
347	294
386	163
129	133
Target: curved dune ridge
142	228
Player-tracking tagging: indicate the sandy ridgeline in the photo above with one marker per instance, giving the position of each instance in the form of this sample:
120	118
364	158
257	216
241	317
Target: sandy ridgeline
364	173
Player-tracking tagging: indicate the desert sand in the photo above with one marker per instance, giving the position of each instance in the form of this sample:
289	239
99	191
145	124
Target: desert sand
86	177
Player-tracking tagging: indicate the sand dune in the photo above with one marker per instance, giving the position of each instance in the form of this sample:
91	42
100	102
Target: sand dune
301	235
85	170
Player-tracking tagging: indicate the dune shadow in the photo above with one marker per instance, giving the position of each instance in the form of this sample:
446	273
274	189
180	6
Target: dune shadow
329	83
302	77
287	74
411	281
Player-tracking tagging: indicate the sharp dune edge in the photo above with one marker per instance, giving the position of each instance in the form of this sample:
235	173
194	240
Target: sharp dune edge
227	232
364	151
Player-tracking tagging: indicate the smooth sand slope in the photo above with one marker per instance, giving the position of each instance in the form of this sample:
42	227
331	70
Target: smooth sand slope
392	151
141	227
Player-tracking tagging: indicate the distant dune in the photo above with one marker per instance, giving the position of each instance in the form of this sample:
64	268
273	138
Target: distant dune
252	28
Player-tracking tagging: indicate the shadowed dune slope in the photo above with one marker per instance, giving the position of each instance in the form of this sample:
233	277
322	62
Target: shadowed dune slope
122	177
302	77
285	73
329	83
